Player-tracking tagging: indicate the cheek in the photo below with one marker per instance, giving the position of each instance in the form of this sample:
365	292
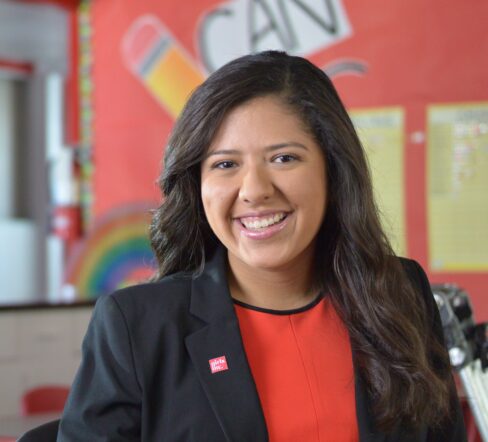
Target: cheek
307	188
318	182
318	198
216	201
308	193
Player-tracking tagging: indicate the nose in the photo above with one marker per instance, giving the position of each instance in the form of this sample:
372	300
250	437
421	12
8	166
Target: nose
256	185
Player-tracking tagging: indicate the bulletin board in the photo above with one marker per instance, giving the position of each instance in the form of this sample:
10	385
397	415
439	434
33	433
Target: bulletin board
409	72
457	168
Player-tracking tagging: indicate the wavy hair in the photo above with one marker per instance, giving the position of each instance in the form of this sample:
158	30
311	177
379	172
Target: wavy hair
400	359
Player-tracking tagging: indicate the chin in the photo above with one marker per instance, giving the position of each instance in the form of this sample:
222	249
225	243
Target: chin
263	261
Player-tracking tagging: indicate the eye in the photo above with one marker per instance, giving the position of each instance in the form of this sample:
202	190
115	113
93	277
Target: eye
284	158
227	164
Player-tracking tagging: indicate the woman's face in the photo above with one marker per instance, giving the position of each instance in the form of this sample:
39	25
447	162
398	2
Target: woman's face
263	184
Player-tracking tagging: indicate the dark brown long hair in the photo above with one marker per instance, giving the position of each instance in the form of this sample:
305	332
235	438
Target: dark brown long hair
391	336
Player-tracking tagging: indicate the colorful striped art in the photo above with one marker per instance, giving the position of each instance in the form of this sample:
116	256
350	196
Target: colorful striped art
116	253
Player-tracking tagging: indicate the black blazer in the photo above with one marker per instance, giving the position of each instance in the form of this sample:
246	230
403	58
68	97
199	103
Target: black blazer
145	371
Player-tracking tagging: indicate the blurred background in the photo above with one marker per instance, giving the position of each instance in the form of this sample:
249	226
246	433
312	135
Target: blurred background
89	91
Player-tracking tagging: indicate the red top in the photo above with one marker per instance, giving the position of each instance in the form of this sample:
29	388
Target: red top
301	362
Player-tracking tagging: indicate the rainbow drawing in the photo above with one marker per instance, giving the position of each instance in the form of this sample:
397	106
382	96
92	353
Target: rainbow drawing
116	253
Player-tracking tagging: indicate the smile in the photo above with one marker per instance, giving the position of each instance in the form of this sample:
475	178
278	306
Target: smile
262	227
257	223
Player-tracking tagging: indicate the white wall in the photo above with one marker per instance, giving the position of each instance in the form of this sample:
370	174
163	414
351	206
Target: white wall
7	146
34	33
18	260
37	34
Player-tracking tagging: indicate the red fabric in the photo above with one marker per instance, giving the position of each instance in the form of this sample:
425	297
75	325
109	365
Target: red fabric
302	366
469	422
44	399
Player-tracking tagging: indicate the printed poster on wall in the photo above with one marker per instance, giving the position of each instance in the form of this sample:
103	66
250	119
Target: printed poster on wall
382	133
457	148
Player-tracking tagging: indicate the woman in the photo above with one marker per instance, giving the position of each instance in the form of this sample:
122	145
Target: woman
279	311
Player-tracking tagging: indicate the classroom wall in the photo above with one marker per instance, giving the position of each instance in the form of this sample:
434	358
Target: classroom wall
413	74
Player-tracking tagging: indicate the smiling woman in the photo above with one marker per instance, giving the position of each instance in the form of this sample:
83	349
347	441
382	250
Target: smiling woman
279	311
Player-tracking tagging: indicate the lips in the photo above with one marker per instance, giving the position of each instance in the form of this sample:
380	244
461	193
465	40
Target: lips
262	226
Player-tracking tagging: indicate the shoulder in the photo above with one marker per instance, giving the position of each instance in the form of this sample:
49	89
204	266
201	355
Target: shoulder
420	282
412	268
162	299
416	274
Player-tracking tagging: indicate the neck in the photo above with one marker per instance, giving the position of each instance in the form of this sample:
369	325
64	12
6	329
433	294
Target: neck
286	288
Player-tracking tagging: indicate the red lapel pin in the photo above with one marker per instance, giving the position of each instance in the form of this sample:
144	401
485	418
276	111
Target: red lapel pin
218	364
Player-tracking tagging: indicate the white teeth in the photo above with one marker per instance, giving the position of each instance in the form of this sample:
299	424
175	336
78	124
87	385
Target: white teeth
264	222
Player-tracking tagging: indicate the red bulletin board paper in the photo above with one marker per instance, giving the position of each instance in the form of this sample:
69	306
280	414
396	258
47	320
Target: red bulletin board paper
130	127
416	53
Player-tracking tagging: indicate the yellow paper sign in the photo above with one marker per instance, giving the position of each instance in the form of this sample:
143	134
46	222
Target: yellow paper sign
457	146
382	133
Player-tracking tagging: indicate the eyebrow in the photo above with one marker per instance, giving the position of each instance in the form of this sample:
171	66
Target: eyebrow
269	148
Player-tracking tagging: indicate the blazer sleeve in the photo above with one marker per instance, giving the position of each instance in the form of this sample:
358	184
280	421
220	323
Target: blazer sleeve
453	429
105	399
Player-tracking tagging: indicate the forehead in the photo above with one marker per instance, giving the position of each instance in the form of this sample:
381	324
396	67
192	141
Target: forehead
259	121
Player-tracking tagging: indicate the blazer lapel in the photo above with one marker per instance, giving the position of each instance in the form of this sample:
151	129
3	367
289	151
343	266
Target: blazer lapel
228	384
